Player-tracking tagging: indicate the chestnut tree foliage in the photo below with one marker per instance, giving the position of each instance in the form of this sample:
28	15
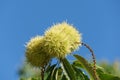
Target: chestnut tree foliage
57	42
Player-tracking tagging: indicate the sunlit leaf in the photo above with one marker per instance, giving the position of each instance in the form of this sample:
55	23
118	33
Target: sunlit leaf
77	63
68	70
87	67
105	76
49	68
55	74
80	74
51	71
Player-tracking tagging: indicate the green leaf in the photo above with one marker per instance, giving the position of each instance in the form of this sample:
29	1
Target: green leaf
34	79
64	77
87	67
51	72
49	68
55	74
67	69
80	75
105	76
22	79
77	63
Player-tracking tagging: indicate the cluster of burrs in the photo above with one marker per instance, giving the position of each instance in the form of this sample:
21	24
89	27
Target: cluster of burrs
57	42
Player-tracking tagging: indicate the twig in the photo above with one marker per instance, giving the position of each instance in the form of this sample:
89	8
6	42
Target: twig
93	57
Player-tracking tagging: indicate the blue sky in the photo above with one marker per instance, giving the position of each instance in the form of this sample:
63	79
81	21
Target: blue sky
97	20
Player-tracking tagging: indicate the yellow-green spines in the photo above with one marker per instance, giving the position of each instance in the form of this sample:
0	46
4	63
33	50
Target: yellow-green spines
35	53
61	39
56	44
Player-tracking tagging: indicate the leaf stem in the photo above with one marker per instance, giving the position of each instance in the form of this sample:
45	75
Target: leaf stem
42	73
